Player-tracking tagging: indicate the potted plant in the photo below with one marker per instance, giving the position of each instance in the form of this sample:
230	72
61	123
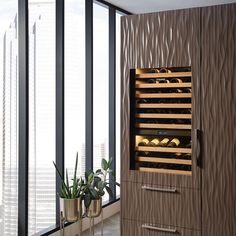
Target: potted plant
70	195
95	185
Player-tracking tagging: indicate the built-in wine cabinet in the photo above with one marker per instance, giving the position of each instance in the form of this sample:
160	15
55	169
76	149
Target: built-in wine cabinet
160	120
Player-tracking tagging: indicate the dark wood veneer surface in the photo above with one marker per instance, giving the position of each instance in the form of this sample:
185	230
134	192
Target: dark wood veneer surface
181	208
218	106
133	228
165	39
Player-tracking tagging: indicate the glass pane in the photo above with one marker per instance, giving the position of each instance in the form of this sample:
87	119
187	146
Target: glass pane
118	103
75	85
42	191
8	117
100	89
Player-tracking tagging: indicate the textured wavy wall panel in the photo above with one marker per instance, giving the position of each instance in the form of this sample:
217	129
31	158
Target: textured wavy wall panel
219	120
181	208
165	39
133	228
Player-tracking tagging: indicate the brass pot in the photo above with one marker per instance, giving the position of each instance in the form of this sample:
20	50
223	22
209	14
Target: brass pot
71	209
94	209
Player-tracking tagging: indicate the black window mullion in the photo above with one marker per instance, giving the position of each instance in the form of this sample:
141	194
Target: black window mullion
89	83
59	98
23	117
112	96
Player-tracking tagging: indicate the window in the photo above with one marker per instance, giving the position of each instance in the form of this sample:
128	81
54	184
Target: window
42	197
118	101
75	85
41	88
8	118
100	86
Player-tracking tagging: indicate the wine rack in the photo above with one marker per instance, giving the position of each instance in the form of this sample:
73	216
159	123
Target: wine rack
160	120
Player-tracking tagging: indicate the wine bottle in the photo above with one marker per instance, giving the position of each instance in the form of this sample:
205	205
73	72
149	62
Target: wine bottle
144	142
188	145
165	70
151	81
162	80
154	142
184	111
162	100
178	155
183	121
159	111
187	90
150	110
163	142
153	71
174	143
176	80
149	121
187	156
142	101
176	90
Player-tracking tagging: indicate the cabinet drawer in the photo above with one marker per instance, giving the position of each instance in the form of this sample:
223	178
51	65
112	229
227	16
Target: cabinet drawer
137	228
158	204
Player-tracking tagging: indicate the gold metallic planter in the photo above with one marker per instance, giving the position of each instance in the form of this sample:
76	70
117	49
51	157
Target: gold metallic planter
94	209
71	209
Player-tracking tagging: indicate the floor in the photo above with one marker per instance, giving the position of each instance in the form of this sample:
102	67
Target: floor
111	227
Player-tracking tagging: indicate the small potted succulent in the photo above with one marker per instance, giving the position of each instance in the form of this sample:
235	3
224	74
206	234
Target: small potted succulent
95	185
70	195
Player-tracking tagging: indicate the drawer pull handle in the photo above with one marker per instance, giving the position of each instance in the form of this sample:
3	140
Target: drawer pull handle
170	190
148	226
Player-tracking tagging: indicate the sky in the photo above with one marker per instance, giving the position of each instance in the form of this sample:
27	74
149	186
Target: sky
8	10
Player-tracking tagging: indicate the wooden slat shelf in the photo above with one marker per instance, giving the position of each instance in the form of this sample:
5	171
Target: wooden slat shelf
154	107
163	95
163	149
162	126
164	116
164	160
164	75
164	105
165	171
164	85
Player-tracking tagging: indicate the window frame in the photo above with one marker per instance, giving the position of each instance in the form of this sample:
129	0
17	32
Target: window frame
24	99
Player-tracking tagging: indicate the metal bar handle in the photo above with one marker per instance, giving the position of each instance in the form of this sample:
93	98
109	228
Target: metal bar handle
149	226
170	190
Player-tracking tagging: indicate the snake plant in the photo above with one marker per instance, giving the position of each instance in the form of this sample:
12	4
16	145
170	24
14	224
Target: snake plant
70	191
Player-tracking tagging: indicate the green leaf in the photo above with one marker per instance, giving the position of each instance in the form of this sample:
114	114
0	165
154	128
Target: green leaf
61	177
101	185
96	181
109	191
101	193
87	200
90	177
75	173
104	164
94	193
63	192
67	183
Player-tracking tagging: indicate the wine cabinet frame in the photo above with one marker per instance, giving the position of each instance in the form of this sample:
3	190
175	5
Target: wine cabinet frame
138	80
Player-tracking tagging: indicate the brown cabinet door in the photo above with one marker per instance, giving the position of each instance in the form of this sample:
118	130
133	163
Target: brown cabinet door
164	39
160	204
139	228
218	120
